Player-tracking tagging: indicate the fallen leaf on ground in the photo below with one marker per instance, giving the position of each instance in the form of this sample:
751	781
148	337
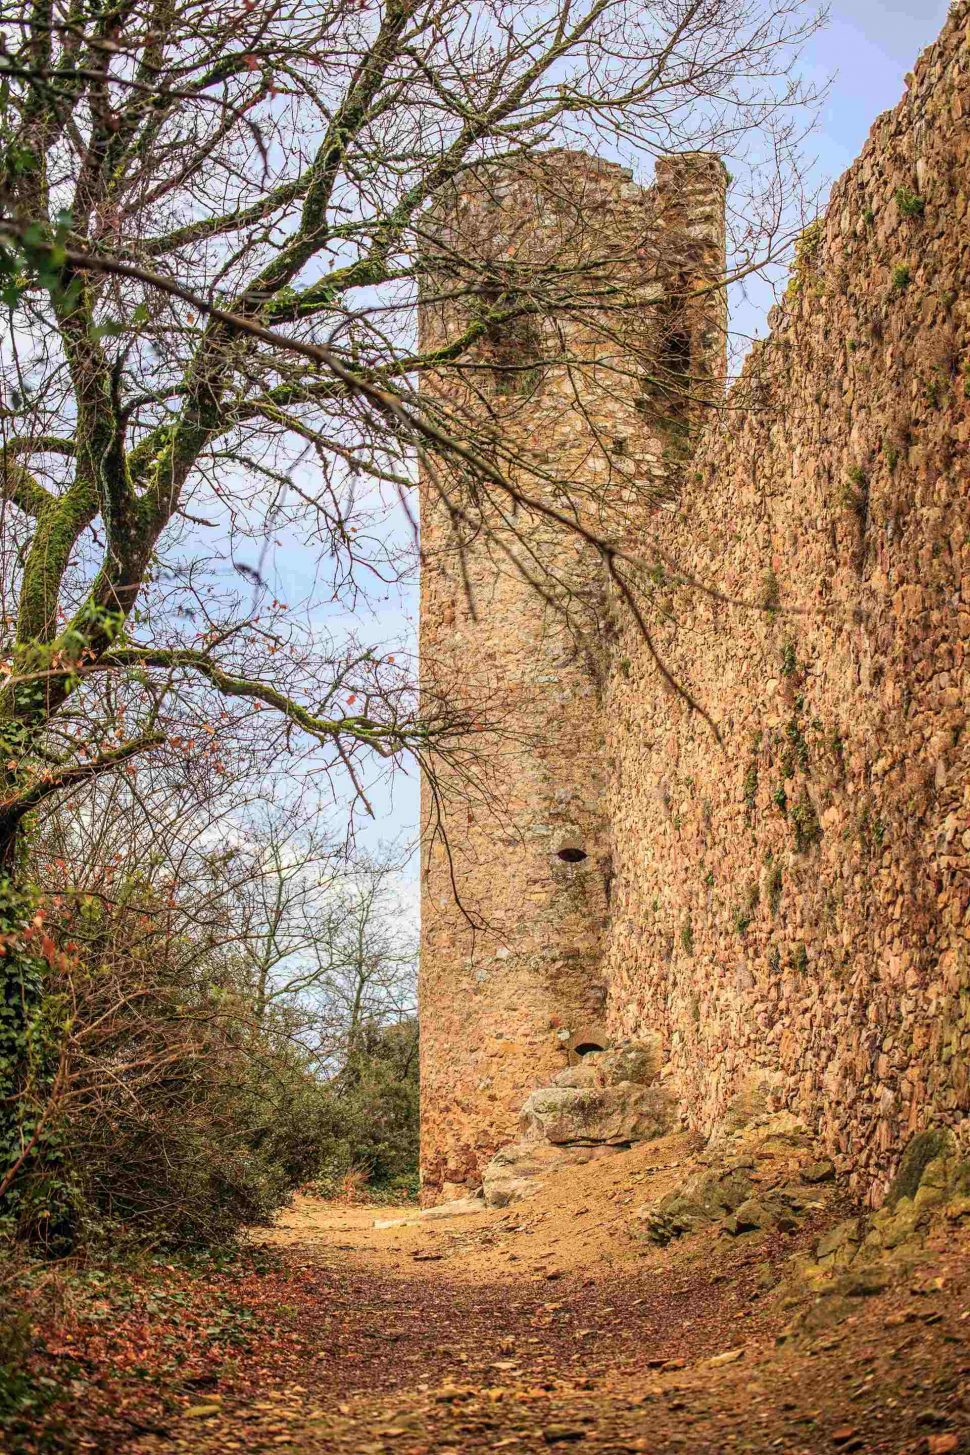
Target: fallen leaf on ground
728	1357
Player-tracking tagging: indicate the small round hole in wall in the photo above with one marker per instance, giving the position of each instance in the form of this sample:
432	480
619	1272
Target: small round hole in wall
572	855
584	1048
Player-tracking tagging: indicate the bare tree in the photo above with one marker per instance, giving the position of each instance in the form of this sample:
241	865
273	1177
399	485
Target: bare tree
318	934
212	222
329	936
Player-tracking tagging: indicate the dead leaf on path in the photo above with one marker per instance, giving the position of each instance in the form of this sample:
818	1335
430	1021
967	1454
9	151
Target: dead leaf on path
728	1357
450	1392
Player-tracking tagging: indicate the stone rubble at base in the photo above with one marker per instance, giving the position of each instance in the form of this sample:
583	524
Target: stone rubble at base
610	1101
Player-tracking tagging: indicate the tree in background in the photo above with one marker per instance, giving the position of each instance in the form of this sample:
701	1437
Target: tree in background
214	1052
331	932
374	1129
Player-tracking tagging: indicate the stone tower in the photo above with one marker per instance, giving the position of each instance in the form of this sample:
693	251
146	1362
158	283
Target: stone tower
589	396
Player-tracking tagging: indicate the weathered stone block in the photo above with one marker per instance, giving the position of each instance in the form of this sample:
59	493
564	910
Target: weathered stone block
618	1114
839	1244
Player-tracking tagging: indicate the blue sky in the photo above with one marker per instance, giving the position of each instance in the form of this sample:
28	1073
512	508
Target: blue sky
869	46
865	50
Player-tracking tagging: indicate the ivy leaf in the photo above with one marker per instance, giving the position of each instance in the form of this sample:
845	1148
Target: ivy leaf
111	328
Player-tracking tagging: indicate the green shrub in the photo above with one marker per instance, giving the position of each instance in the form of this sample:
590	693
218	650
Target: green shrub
909	203
370	1116
191	1119
183	1093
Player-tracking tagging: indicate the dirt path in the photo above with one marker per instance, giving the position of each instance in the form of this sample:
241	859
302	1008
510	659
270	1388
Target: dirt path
552	1325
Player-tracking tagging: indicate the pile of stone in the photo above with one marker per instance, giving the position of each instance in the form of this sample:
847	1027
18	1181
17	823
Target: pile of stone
768	1174
606	1102
764	1175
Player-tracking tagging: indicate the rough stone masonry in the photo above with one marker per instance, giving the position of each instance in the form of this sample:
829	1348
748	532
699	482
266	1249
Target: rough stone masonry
790	905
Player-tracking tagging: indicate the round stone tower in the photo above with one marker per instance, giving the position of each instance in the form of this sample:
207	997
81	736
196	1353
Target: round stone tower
587	315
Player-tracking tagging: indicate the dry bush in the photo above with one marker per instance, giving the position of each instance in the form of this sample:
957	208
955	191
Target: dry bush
231	1011
180	1117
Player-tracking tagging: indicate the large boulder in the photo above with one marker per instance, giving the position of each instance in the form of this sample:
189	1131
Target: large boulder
933	1178
618	1115
610	1099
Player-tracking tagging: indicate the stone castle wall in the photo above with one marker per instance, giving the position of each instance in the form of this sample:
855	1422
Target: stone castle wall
795	905
789	907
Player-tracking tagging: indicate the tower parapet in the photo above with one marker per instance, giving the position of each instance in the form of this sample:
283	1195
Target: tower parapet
598	329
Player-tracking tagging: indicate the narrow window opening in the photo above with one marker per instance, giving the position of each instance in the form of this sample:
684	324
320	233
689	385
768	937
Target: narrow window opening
668	392
572	856
676	352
